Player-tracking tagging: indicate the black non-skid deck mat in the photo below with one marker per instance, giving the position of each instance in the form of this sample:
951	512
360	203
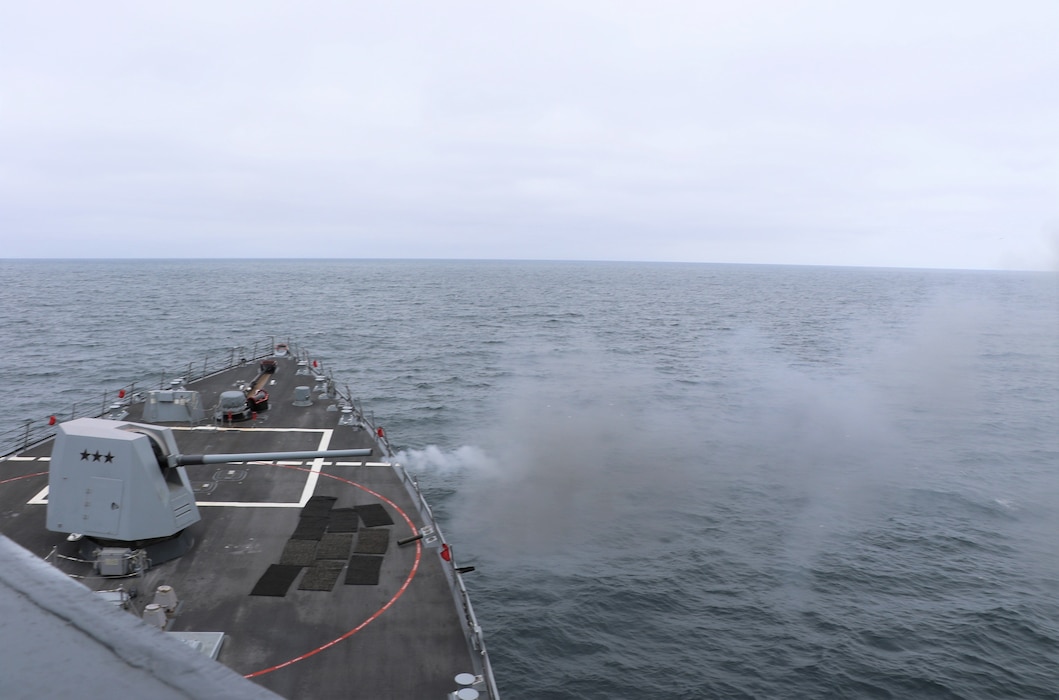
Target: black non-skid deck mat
335	545
318	506
343	520
374	515
373	541
276	580
322	576
363	570
310	528
299	553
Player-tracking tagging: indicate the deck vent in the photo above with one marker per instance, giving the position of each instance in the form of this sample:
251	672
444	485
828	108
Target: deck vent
232	400
466	692
232	406
301	396
154	615
303	367
165	597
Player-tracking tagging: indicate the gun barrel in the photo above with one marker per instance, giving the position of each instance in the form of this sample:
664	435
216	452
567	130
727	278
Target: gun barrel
187	460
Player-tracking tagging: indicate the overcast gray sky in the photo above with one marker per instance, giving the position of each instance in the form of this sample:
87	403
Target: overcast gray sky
853	133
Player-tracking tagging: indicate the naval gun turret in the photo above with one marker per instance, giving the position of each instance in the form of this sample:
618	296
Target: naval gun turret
124	484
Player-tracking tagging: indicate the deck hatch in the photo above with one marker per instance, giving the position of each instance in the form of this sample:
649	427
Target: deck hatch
310	528
374	515
276	580
299	553
343	520
103	505
322	576
335	545
363	570
373	541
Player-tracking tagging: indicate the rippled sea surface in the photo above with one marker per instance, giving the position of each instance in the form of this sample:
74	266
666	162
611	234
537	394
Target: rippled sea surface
674	480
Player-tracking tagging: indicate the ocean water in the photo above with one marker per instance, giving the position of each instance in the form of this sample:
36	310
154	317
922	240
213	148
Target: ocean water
695	481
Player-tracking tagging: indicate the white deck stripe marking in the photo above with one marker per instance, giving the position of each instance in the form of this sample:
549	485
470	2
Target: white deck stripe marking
22	459
314	472
248	504
41	499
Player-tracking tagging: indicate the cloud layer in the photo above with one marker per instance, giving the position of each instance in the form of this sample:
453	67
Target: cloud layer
814	132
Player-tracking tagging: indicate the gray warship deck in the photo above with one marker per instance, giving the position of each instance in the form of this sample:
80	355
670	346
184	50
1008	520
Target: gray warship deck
295	562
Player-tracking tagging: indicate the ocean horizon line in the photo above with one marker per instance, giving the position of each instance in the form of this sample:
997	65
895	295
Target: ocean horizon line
572	261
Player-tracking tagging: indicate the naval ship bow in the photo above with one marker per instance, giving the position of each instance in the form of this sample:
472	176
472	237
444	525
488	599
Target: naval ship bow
248	512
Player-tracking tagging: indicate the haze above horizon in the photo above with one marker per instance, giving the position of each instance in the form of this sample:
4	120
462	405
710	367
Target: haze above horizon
816	133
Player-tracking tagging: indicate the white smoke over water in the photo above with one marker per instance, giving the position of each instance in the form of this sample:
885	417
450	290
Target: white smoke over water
568	455
587	447
434	460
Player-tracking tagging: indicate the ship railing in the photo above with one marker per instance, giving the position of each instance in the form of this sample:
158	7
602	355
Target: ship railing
475	636
473	630
366	419
380	435
32	431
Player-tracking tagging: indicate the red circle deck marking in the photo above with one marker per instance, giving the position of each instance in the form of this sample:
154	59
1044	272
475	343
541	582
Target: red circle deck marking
26	476
386	606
